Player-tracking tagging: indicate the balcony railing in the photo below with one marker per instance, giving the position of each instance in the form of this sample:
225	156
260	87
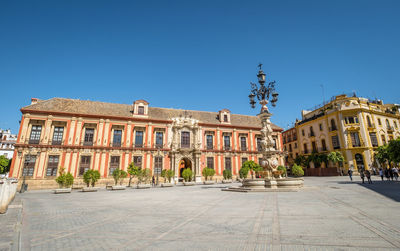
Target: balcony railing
138	145
390	128
311	134
56	142
210	147
116	144
227	148
372	125
34	141
243	148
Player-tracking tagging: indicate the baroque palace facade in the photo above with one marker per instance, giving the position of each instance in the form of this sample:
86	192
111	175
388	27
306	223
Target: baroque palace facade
80	135
353	125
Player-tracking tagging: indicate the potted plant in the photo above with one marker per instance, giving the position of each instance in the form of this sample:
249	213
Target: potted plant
90	177
65	181
143	177
208	173
133	172
282	171
227	176
187	175
118	175
297	171
167	175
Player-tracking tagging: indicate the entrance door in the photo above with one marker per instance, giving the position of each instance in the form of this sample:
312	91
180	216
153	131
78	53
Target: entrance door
183	164
359	161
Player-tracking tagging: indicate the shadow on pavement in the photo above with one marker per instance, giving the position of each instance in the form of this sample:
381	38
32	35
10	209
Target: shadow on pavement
390	189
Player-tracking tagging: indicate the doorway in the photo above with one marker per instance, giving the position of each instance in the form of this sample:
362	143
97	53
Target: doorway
359	161
183	164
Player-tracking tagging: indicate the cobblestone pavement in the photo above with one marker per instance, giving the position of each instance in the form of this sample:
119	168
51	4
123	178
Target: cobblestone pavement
330	213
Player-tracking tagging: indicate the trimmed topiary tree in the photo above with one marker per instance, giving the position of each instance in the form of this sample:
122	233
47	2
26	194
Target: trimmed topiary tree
243	172
208	173
187	174
227	174
297	171
144	175
91	177
119	175
64	179
133	171
167	174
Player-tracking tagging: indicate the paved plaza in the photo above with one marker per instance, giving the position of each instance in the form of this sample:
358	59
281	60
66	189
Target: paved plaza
330	213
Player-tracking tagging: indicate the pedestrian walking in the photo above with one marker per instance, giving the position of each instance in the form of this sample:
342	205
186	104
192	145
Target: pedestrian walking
387	174
368	175
153	181
396	173
362	175
381	173
391	173
350	173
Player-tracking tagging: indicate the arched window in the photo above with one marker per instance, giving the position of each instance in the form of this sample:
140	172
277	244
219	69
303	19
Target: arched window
387	123
369	121
333	125
311	132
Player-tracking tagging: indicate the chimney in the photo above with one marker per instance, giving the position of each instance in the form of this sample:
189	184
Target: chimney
34	101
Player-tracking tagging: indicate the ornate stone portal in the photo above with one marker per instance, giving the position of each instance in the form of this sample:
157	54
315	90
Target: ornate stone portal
185	154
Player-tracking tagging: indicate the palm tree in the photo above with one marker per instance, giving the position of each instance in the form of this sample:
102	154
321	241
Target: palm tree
336	157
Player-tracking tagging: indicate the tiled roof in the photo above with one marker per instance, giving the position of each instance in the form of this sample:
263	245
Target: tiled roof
86	107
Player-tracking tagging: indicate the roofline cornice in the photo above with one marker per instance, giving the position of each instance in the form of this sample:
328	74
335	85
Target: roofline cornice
23	110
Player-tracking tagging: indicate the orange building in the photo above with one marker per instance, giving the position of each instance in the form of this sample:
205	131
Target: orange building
80	135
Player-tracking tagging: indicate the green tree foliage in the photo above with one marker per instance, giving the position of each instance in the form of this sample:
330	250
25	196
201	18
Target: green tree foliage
208	173
167	174
144	175
4	164
91	177
187	174
297	170
119	175
133	172
382	154
64	179
283	169
227	174
336	157
315	158
300	160
252	166
393	150
243	172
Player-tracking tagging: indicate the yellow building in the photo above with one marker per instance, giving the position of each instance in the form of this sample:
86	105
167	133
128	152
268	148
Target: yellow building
354	126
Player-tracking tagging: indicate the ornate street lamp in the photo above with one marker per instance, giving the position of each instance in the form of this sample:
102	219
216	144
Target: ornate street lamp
265	94
157	169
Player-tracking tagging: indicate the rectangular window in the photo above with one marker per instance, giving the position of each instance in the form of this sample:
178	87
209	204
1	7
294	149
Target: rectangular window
158	164
159	139
295	145
35	134
305	148
290	147
355	139
114	164
58	135
29	165
210	142
137	161
374	139
52	165
227	142
210	162
228	165
244	159
259	147
383	139
89	134
117	137
185	139
323	145
335	142
320	127
141	110
225	118
243	144
314	146
85	164
139	139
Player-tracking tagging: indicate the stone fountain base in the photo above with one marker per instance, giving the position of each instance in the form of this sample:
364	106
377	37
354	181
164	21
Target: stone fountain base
268	185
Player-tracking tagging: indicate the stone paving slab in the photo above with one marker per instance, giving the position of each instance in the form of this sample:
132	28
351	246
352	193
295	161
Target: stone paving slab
331	213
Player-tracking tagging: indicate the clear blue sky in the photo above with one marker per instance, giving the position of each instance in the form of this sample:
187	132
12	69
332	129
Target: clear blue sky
198	55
